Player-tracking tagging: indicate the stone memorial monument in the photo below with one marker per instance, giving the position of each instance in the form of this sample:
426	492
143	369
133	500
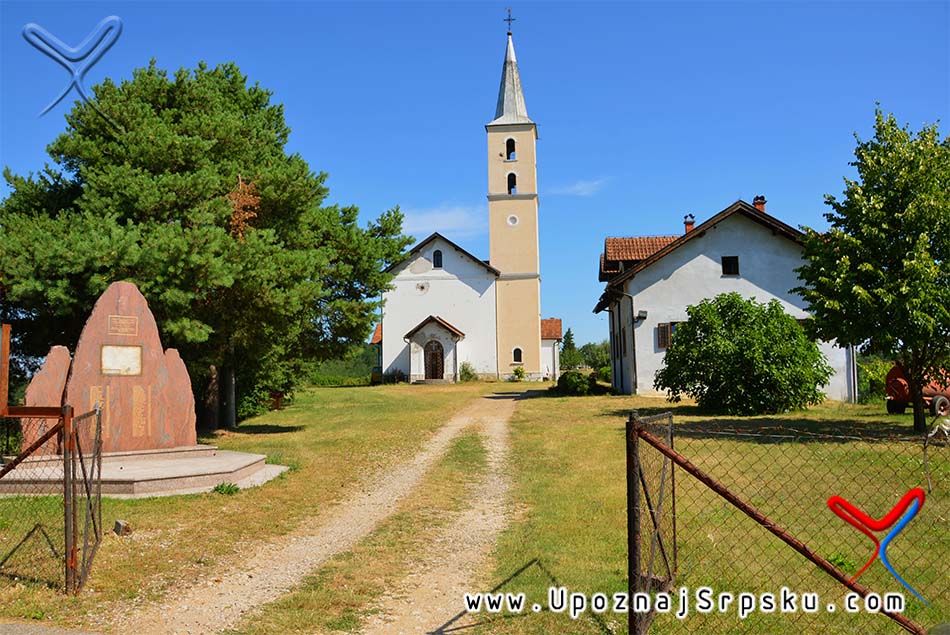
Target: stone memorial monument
143	390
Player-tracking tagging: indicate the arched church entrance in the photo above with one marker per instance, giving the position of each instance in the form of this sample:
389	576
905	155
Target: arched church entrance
435	360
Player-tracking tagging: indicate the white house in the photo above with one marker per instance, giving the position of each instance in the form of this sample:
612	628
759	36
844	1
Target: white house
447	307
652	279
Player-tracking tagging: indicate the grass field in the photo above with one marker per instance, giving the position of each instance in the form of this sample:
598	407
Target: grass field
330	437
569	526
569	470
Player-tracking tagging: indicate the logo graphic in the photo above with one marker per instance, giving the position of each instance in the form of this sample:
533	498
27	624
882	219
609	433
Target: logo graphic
910	503
76	60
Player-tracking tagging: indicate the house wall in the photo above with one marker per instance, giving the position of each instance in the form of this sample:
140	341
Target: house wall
693	273
461	293
550	359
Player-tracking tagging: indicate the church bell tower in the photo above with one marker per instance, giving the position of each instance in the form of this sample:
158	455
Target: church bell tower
513	225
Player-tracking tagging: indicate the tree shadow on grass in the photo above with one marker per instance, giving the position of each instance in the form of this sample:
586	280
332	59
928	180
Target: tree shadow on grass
787	428
253	428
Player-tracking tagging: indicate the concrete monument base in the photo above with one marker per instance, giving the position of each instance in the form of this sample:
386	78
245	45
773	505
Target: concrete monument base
144	473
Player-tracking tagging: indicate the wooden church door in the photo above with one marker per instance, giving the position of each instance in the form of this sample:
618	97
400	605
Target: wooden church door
434	360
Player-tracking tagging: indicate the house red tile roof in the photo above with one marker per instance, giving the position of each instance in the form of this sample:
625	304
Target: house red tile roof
377	334
636	247
551	329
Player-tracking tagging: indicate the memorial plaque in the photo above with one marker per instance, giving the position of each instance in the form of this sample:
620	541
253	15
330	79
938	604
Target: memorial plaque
121	360
123	325
141	410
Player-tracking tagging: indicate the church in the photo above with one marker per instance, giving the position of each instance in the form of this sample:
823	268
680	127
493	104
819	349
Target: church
446	307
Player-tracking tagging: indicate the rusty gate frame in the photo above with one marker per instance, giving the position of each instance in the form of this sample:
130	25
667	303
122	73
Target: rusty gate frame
66	429
635	432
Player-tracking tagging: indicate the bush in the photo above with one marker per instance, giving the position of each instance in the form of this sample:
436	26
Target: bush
604	374
573	383
467	372
871	374
739	357
395	377
518	374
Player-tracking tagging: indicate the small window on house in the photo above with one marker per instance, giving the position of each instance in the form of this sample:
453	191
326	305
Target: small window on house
437	259
664	334
510	150
730	265
516	356
512	183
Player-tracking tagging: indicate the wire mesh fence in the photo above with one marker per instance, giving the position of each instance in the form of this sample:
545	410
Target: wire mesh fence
50	500
788	475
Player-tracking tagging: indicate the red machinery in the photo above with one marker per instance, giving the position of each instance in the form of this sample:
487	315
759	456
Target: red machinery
936	396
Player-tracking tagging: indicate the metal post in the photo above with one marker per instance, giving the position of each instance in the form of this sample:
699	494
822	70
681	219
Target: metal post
69	519
633	521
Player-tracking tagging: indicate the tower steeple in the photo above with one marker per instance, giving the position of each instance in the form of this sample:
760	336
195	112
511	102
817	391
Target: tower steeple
511	107
513	225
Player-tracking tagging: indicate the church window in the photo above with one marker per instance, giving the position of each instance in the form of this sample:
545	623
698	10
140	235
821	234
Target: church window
512	220
510	150
516	356
437	259
512	183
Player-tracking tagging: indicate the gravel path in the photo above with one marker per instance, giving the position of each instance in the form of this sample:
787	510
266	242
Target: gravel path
219	600
430	598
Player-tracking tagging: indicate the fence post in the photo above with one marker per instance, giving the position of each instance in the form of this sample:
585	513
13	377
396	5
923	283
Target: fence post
69	504
633	520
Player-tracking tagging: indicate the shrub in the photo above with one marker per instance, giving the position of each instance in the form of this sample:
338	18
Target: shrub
739	357
871	374
518	374
604	374
395	377
467	372
573	383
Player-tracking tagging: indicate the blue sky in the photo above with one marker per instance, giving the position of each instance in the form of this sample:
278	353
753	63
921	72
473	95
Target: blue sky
646	110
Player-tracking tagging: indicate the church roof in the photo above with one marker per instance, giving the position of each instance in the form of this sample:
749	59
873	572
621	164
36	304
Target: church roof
511	108
421	245
435	318
551	329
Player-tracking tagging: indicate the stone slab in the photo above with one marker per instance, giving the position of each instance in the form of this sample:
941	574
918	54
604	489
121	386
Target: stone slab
46	389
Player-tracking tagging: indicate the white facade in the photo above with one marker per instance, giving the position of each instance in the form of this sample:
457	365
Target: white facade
551	359
461	292
692	272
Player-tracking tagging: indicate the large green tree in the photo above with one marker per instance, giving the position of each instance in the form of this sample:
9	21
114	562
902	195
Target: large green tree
879	277
182	185
738	356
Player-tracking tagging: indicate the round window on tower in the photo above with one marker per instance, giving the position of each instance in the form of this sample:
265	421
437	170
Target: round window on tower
512	220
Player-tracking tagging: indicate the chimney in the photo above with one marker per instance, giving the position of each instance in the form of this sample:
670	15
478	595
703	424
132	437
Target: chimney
759	202
688	223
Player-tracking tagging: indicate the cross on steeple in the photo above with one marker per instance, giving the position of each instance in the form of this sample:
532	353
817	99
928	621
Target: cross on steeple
509	20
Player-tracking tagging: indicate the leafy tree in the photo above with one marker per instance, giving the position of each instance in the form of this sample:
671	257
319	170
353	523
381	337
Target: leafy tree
738	356
596	355
879	278
182	185
570	356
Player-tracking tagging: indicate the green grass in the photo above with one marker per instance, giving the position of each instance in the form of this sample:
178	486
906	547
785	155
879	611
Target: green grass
332	436
569	472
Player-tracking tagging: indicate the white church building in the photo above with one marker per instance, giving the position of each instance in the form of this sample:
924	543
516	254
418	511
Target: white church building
446	306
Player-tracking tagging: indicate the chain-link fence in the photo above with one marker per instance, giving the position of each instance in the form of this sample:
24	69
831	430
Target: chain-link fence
786	477
50	499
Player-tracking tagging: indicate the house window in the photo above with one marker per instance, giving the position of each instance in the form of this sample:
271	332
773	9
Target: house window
512	183
437	259
516	356
510	150
664	334
730	265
